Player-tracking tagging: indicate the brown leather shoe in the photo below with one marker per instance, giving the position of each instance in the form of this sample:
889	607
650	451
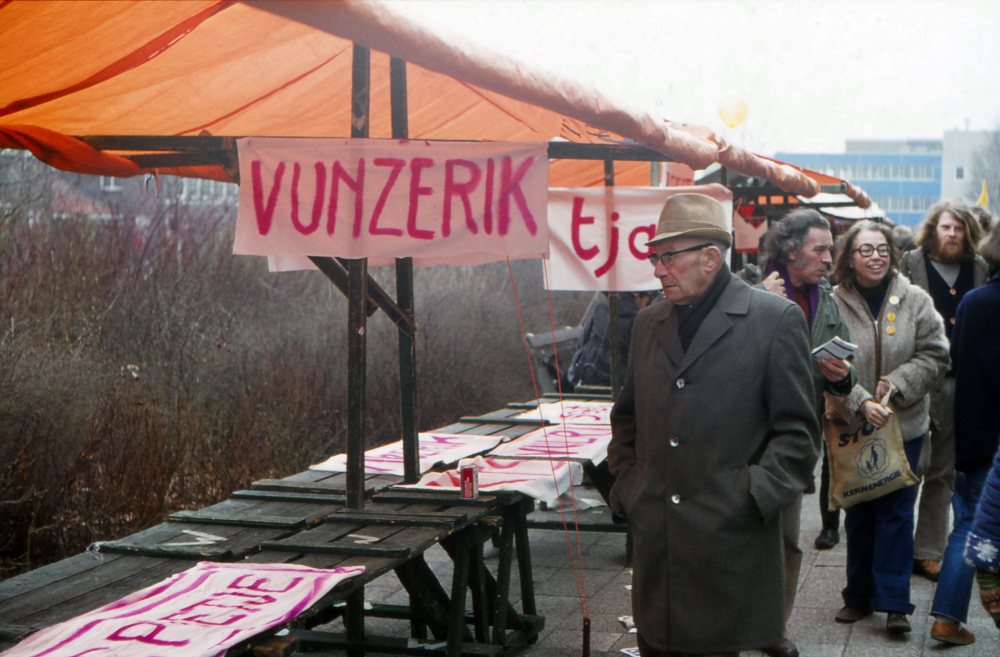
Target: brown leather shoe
952	633
927	568
851	615
784	649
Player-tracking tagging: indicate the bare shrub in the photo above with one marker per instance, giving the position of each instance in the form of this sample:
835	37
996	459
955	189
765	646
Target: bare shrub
144	368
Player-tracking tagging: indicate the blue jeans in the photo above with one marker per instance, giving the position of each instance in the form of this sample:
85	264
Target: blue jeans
880	547
955	582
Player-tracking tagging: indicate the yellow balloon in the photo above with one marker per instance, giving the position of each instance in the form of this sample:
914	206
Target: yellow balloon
732	111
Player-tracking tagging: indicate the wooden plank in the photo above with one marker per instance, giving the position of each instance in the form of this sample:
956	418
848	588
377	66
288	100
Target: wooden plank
338	549
398	520
205	517
419	497
275	496
66	608
14	610
163	552
52	573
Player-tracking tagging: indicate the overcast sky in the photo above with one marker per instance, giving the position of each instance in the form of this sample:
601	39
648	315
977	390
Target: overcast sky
813	72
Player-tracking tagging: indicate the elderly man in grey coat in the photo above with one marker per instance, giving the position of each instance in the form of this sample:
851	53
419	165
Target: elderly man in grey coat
714	432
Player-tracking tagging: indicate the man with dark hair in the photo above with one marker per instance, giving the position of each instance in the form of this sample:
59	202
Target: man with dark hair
800	246
946	266
704	489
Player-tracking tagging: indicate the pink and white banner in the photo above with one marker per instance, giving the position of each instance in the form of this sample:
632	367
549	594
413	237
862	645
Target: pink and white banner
203	611
571	412
454	203
597	236
587	442
434	448
542	480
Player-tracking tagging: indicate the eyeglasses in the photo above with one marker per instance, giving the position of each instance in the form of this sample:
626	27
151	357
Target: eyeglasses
667	259
867	249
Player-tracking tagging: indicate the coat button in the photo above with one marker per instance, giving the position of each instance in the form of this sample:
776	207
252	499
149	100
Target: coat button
674	442
676	499
953	291
680	383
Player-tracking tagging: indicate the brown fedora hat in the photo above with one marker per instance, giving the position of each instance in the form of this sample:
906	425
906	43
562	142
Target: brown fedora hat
694	215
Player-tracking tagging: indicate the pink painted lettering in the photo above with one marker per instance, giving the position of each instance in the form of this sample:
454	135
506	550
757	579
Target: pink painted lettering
397	166
510	185
356	185
452	188
488	199
125	633
416	191
606	267
580	220
650	232
317	210
258	585
265	213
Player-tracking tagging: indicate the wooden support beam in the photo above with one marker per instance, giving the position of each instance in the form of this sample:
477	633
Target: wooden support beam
614	311
405	298
335	270
357	286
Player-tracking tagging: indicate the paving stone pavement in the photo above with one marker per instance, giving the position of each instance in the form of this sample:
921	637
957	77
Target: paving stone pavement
605	575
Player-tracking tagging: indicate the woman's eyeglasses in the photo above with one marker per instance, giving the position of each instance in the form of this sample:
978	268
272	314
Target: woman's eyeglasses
867	249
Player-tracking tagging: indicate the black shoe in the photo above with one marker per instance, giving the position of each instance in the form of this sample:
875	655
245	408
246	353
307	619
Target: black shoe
827	539
897	623
811	488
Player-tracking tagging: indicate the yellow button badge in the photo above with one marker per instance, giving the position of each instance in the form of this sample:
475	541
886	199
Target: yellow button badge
891	317
891	330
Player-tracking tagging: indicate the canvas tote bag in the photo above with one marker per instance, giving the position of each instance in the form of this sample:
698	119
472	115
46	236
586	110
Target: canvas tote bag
865	462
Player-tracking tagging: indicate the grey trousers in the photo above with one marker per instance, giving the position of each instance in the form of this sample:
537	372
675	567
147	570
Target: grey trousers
790	517
937	467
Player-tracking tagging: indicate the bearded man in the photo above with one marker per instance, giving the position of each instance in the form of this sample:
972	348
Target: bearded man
946	266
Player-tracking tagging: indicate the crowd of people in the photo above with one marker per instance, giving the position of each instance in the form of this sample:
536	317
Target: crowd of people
722	499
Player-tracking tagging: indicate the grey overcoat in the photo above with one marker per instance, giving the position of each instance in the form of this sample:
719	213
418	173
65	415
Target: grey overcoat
708	446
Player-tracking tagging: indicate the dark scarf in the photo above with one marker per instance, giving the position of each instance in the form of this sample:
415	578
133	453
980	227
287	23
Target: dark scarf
690	317
874	296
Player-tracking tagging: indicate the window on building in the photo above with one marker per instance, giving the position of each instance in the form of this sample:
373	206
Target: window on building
959	173
111	184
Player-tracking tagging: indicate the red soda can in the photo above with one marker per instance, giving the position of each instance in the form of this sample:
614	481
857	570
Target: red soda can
470	481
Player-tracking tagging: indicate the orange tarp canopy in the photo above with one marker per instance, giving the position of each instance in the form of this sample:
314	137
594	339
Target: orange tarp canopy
283	68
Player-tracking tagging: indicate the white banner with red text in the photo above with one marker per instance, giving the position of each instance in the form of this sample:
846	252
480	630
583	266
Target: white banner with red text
597	236
434	448
201	612
574	441
542	480
456	203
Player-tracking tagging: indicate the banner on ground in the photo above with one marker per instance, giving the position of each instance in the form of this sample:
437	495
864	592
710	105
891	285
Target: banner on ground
434	448
597	236
584	442
570	412
438	202
542	480
200	612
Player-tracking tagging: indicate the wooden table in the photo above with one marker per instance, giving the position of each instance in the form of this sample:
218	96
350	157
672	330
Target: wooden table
302	519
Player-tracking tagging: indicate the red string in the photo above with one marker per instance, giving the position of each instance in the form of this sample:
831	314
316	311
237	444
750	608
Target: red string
555	352
569	545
